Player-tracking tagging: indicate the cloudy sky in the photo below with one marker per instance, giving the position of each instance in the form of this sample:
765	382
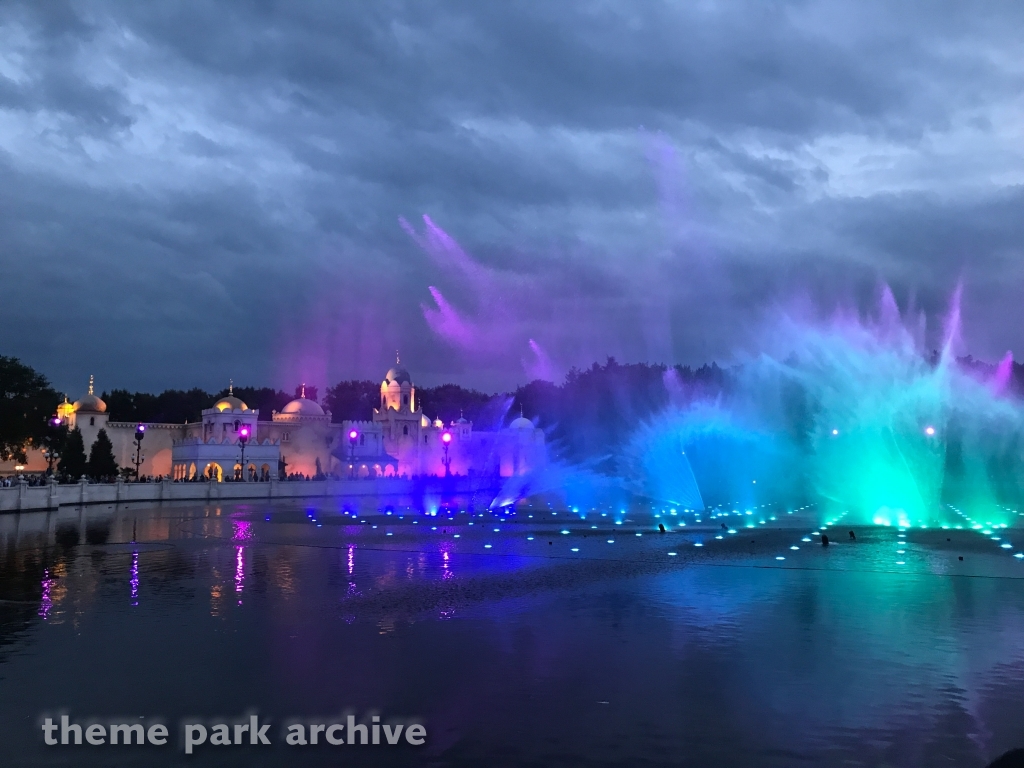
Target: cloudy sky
286	191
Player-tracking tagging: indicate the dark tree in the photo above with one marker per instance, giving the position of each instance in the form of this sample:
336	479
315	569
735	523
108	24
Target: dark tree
101	458
27	401
72	460
352	400
173	406
450	401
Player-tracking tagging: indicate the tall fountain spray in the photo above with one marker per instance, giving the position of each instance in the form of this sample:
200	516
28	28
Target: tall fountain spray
856	415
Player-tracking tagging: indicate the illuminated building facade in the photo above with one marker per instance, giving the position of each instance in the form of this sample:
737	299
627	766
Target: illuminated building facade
302	439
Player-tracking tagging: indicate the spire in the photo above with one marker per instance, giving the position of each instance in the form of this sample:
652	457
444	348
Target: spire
302	392
231	387
90	384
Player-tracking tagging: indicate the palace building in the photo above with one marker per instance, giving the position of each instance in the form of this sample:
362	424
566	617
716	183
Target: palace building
399	440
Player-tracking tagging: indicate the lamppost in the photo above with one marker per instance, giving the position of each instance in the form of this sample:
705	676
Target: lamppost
446	440
140	432
52	449
353	435
243	438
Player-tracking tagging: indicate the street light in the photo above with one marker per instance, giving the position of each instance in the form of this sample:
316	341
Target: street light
53	447
446	439
140	432
353	435
243	438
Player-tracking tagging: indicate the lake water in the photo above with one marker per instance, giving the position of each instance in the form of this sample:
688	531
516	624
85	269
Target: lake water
510	647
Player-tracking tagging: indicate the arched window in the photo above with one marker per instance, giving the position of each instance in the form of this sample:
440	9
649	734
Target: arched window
424	439
362	439
405	430
92	421
405	399
236	426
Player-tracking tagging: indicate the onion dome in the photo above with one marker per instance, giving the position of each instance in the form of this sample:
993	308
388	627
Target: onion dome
230	403
90	403
300	406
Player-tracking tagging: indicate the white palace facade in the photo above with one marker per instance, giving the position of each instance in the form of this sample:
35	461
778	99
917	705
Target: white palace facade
302	439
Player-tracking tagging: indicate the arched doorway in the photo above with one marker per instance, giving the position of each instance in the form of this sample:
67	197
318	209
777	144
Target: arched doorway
213	471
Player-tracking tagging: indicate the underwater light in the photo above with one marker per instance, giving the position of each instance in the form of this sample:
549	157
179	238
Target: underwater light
835	431
529	538
794	547
929	430
672	554
487	546
575	549
698	544
1019	555
780	557
732	530
1006	546
564	532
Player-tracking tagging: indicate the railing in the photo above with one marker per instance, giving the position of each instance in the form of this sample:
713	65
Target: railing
23	497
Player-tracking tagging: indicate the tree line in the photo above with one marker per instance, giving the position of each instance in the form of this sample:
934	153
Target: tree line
586	417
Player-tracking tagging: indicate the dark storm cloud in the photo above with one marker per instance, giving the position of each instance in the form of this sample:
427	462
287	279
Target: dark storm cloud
199	190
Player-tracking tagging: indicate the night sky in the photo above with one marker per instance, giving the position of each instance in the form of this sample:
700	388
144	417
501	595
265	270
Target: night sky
278	192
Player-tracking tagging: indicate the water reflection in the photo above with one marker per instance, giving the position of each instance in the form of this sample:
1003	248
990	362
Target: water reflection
134	578
623	656
239	572
46	601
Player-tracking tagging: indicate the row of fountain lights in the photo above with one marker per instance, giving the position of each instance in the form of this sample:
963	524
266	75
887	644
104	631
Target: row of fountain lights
575	510
988	529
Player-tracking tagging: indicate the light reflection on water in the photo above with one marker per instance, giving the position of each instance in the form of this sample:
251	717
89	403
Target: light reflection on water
612	654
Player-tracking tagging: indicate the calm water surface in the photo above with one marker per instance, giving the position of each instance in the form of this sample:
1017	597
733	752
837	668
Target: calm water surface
520	653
